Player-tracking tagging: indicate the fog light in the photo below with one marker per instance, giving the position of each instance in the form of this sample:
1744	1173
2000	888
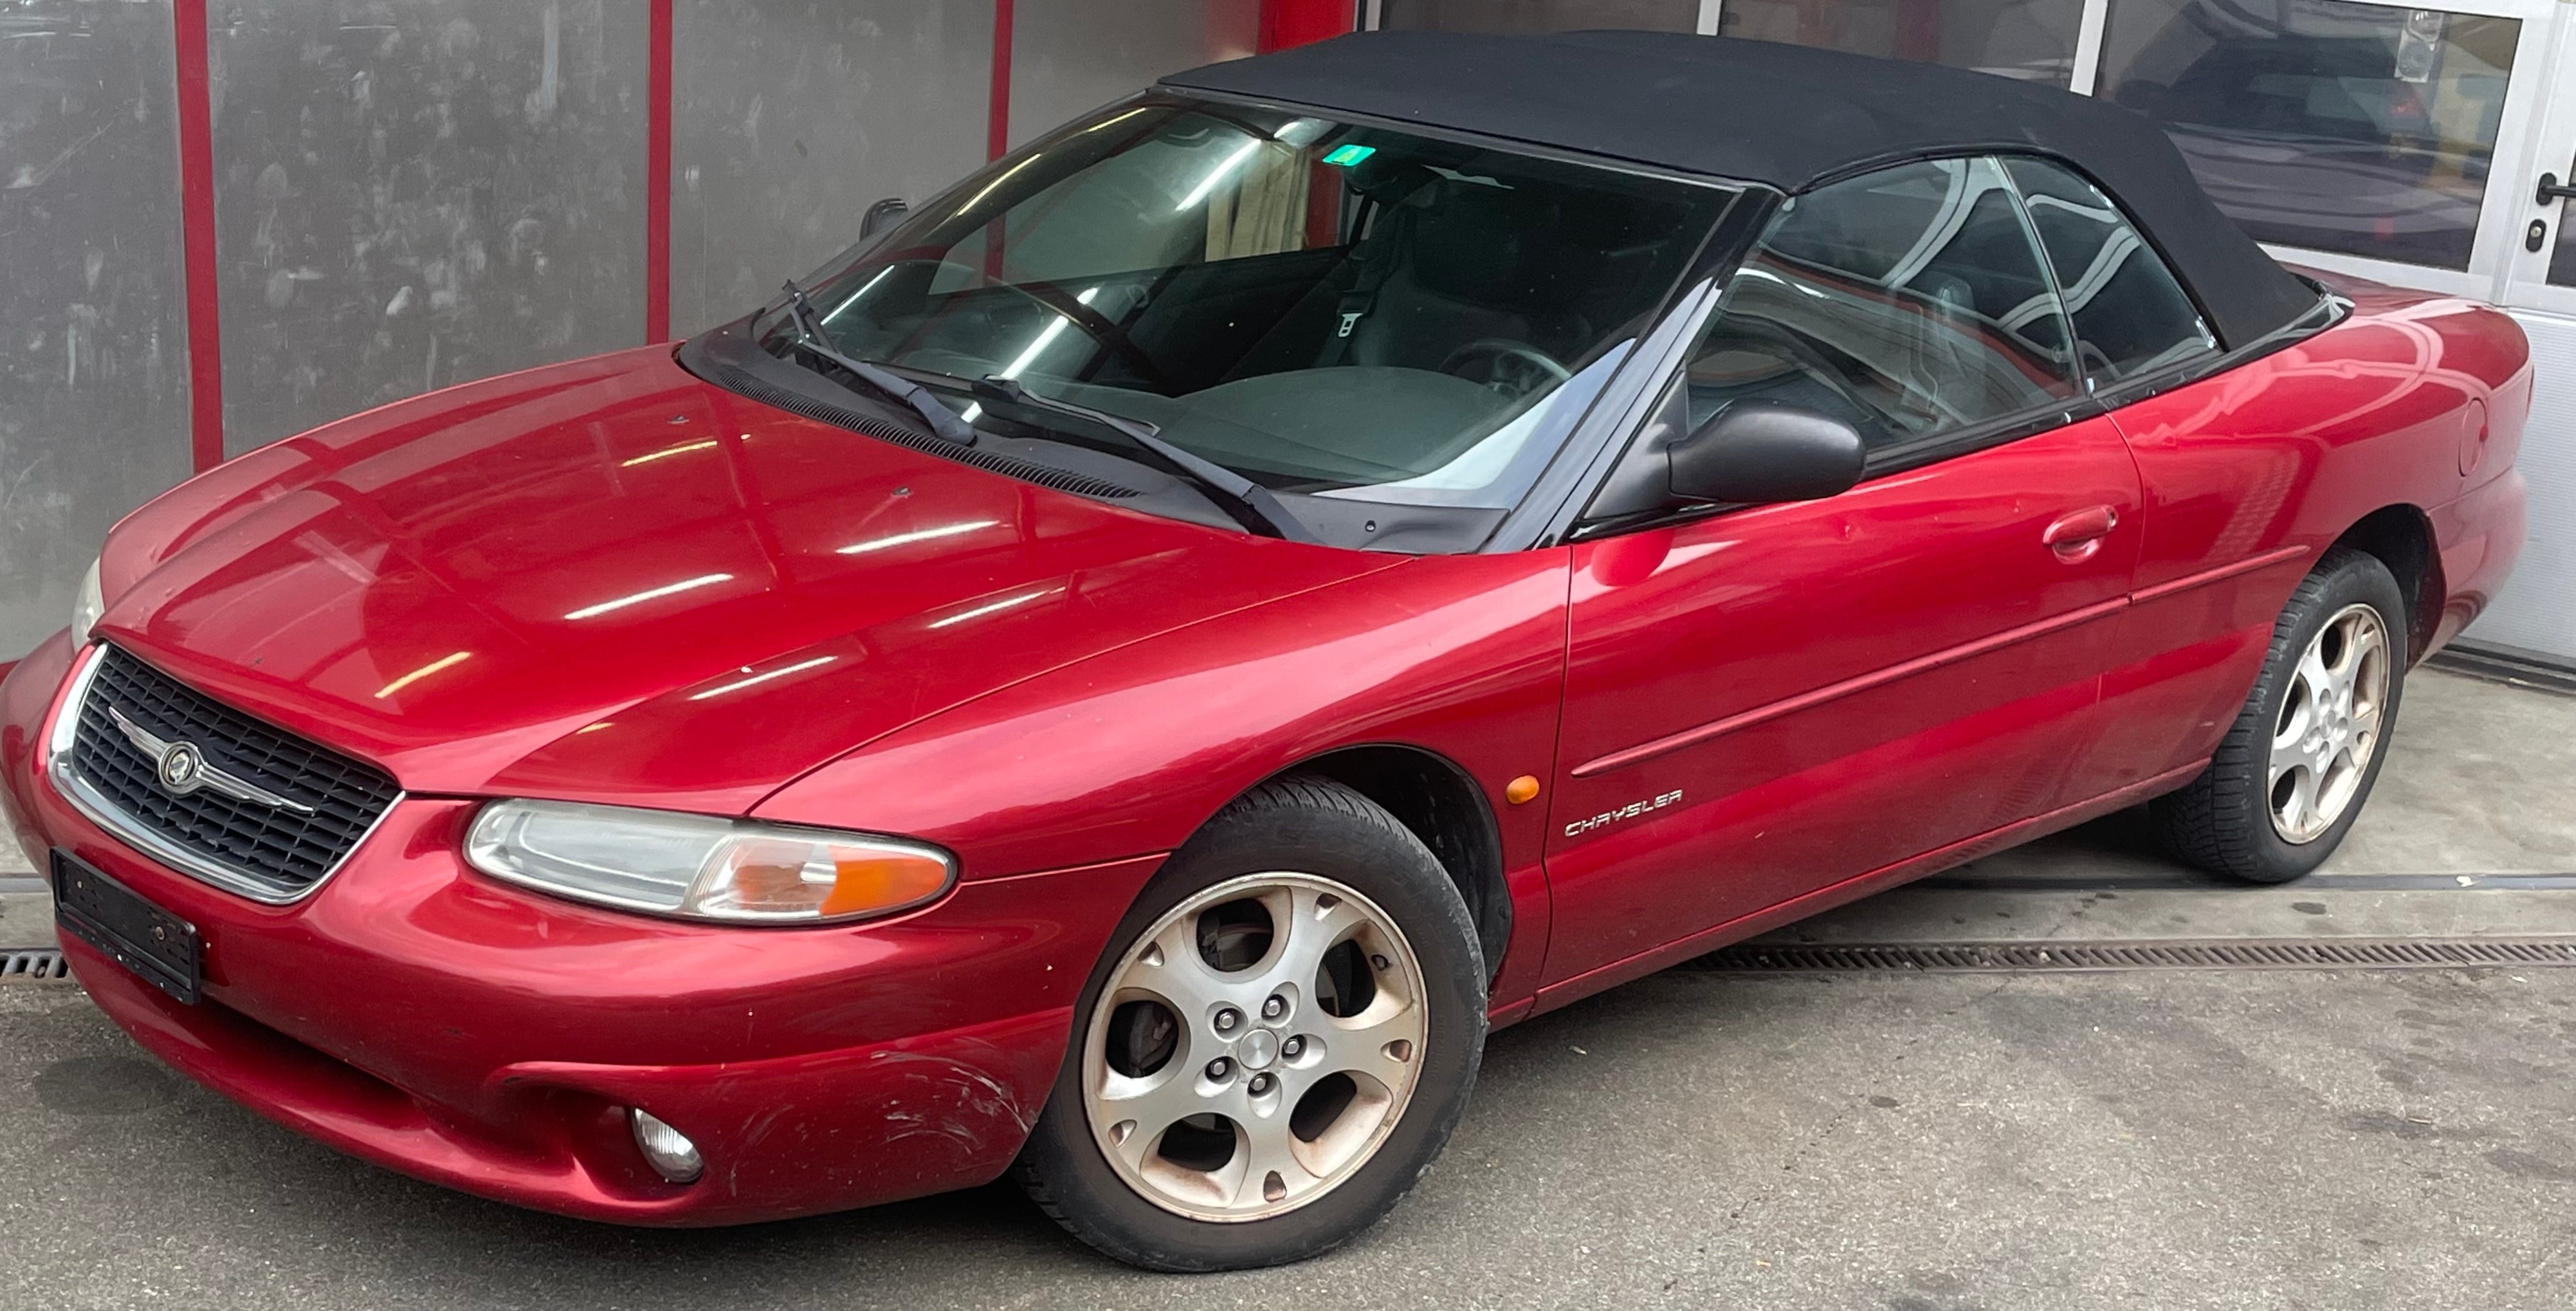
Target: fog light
669	1151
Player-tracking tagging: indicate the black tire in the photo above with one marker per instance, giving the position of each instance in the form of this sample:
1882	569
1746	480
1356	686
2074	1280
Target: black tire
2222	820
1298	824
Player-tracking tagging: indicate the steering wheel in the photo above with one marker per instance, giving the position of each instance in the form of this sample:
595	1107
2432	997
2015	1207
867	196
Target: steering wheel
1097	326
1513	368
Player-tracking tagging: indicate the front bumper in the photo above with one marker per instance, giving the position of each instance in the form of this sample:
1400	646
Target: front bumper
416	1014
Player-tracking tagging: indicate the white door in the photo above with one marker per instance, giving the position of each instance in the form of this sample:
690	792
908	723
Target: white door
2535	613
2542	274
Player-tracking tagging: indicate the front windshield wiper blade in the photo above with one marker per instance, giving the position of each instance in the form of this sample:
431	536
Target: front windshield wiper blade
1207	473
809	338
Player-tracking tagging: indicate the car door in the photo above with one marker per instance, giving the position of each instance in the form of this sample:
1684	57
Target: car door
1764	702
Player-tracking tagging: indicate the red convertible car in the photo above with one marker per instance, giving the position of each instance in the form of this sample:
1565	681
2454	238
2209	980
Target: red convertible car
1128	673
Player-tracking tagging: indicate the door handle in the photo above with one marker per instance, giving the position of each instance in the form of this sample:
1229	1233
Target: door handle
2076	536
2550	190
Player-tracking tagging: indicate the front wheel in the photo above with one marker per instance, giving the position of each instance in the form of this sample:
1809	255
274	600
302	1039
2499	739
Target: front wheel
2292	773
1281	1038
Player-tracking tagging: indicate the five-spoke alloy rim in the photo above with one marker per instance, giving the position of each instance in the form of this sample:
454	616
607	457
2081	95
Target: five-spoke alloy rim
1254	1047
2329	725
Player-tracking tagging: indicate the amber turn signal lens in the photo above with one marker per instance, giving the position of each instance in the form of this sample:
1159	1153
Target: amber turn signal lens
862	884
1520	789
777	876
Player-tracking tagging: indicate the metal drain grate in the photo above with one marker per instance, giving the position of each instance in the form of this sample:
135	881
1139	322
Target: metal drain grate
2211	954
45	966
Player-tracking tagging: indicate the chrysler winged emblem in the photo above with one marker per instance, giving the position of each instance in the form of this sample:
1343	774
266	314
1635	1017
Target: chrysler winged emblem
180	768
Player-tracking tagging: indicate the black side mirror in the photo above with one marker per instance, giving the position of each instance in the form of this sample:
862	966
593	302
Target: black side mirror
1755	452
882	215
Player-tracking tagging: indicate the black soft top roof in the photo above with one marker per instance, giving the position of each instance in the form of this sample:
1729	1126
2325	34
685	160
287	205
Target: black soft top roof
1785	116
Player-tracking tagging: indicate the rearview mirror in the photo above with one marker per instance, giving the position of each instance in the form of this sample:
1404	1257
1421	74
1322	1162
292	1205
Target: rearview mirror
882	215
879	217
1756	452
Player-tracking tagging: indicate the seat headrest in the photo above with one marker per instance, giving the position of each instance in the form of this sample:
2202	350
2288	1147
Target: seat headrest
1483	243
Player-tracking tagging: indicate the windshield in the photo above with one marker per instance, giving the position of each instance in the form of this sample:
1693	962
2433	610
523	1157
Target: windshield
1326	309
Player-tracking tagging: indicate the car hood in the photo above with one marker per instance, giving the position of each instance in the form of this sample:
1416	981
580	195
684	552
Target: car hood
608	580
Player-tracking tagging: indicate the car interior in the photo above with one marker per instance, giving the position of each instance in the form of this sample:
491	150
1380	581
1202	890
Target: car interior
1404	312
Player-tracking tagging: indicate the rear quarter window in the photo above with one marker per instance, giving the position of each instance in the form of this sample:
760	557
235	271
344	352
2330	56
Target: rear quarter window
2131	315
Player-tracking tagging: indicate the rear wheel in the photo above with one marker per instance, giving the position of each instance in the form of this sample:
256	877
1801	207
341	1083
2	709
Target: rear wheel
2292	773
1282	1037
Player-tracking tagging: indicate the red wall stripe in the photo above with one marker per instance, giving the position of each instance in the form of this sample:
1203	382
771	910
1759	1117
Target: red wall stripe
1286	23
197	238
657	173
997	113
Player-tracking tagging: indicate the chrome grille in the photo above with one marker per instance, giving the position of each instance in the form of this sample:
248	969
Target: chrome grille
274	853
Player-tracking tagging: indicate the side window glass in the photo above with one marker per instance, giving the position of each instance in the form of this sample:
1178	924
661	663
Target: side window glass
2130	316
1909	302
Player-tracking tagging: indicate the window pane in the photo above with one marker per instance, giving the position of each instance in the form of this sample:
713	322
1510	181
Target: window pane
1907	303
2131	316
1511	16
2314	123
2029	39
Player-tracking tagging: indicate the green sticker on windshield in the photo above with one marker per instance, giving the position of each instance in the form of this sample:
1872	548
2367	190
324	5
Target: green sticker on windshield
1345	156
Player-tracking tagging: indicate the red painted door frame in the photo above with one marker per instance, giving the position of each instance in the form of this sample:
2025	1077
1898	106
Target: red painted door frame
197	237
997	106
657	172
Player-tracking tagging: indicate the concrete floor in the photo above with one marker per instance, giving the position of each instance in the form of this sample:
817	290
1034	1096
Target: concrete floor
1914	1143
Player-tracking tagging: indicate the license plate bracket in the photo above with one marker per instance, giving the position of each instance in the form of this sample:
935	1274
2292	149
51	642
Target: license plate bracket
159	947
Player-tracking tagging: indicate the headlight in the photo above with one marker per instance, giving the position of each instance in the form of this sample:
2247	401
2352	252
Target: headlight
702	867
87	607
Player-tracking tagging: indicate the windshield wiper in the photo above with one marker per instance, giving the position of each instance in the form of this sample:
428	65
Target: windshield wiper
809	338
1208	474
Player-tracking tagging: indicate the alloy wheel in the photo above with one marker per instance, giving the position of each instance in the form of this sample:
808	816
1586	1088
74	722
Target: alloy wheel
2329	724
1254	1048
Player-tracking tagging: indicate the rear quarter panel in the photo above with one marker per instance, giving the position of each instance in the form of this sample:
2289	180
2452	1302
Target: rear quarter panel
2411	401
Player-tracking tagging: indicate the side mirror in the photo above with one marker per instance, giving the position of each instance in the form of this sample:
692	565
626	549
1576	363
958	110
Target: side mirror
882	215
1756	452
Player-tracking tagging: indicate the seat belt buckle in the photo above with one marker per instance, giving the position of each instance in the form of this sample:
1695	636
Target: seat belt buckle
1355	306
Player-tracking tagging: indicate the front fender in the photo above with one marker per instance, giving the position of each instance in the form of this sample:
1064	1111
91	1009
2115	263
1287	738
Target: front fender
1128	752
